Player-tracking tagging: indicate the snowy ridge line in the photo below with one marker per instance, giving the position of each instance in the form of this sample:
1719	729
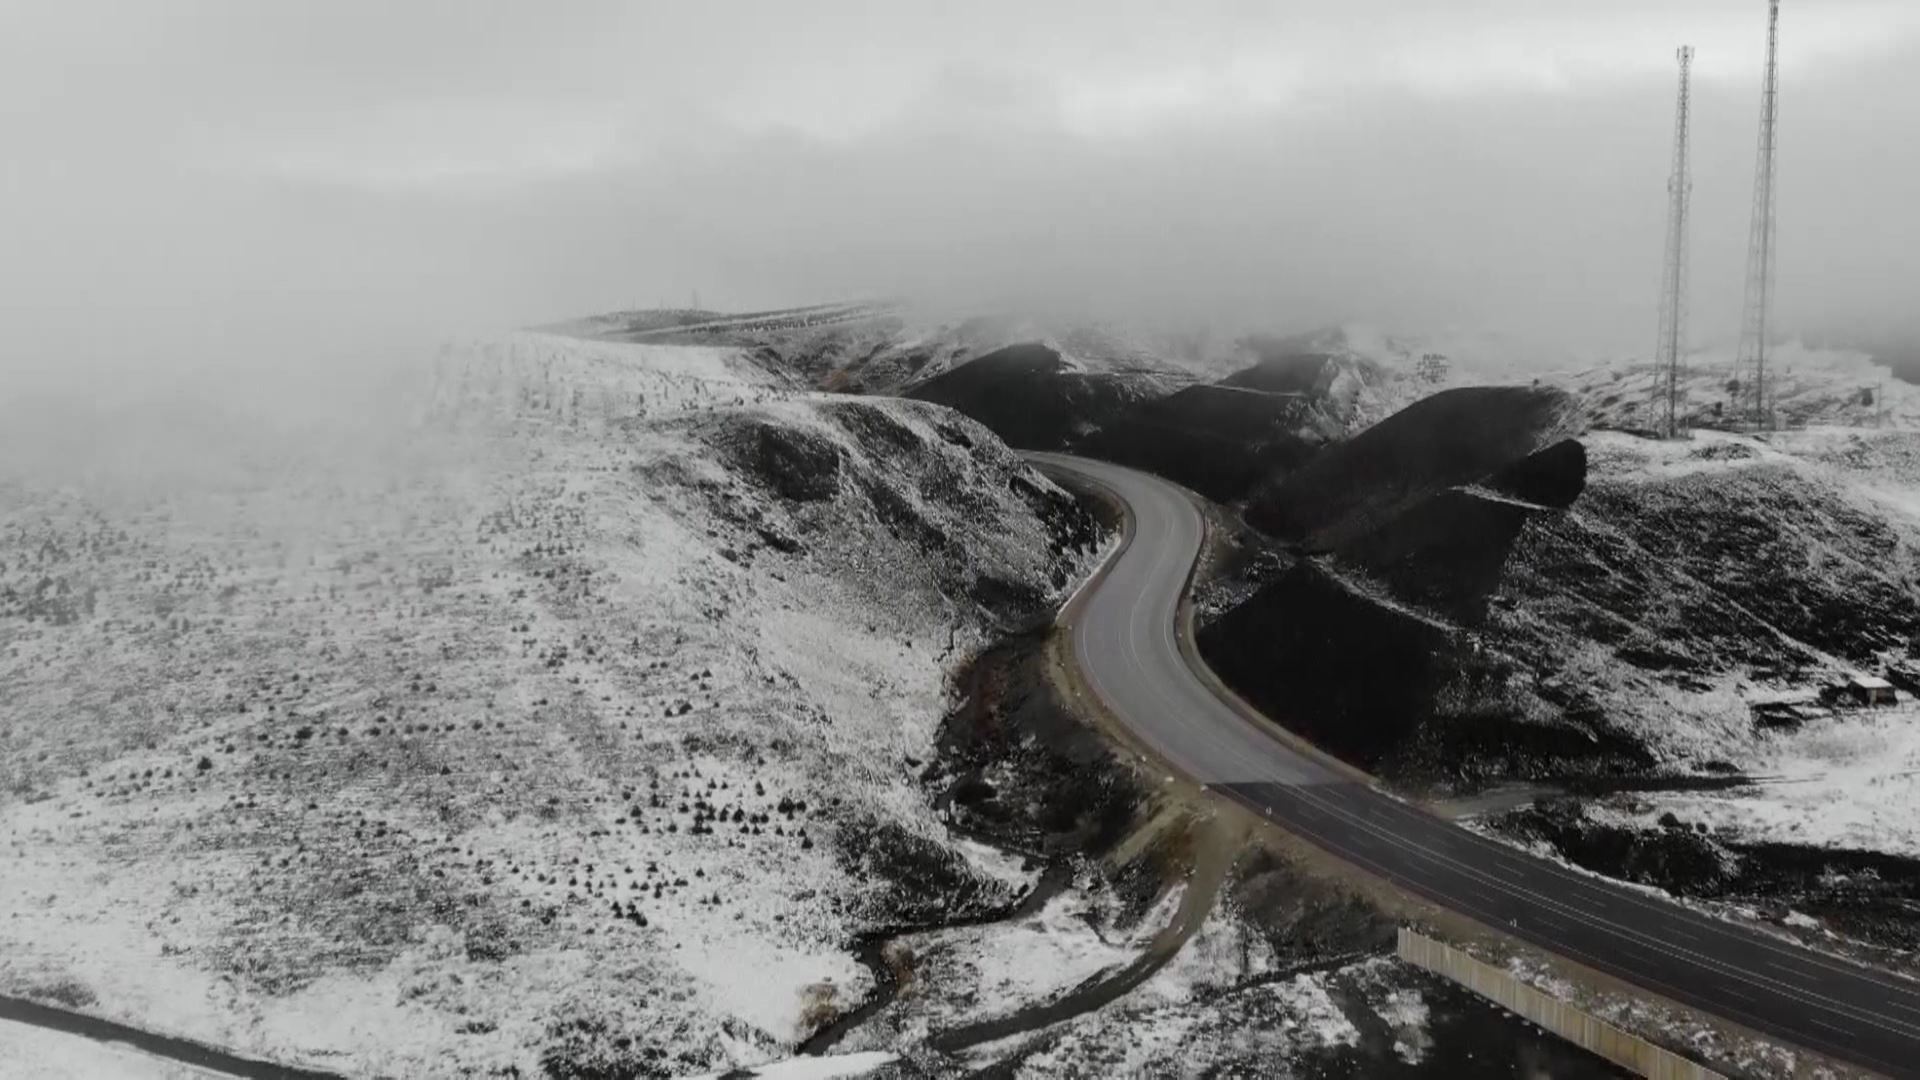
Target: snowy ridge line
795	318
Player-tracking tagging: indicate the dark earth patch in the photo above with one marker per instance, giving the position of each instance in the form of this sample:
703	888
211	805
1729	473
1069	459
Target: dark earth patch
1868	896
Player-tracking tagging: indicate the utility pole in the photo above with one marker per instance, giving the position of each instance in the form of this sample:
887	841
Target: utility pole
1670	349
1756	323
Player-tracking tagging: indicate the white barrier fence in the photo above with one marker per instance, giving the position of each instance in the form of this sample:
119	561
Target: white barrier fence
1564	1019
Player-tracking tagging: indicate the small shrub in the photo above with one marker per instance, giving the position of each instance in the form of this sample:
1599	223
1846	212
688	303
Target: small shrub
72	993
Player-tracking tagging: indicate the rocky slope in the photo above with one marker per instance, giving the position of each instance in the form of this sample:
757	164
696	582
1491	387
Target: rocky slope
1686	583
1037	399
1705	599
1359	632
592	728
574	729
1223	438
1452	439
1218	439
1711	571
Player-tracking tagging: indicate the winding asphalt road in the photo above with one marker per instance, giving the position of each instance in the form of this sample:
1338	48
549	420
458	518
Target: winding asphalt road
1124	639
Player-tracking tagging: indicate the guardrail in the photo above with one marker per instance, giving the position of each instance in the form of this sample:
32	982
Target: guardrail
1503	988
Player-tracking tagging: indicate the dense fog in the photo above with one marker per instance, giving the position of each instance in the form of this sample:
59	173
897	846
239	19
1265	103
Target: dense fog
221	185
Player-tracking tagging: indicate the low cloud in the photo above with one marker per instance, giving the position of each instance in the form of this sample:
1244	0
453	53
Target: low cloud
225	184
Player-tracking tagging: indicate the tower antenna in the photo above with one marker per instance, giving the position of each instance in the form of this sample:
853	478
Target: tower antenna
1670	349
1756	323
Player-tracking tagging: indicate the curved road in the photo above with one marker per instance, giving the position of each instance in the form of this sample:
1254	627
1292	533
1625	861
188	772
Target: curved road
1124	641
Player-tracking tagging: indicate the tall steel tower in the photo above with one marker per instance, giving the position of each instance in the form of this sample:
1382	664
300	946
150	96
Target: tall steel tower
1756	324
1670	351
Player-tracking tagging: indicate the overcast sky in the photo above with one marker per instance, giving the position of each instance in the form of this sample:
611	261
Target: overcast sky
202	179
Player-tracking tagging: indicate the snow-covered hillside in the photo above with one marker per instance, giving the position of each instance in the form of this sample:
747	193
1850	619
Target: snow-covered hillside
1696	578
575	726
1705	604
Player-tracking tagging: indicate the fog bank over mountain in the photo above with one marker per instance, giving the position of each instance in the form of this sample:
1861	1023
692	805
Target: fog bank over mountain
221	185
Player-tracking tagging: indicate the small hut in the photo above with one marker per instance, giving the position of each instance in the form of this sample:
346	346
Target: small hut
1870	690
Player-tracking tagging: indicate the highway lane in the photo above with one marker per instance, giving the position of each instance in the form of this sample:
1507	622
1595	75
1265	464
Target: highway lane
1124	641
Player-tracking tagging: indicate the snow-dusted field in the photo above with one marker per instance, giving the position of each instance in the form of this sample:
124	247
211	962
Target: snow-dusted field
1740	552
1848	782
1180	1023
960	976
580	720
546	726
1847	779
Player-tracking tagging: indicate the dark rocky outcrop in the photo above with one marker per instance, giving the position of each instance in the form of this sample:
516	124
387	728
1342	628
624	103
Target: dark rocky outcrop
1758	567
1279	369
1670	857
1553	477
798	464
1217	439
1431	499
1448	551
1445	552
1348	672
1866	895
1427	506
1454	438
1033	398
1393	690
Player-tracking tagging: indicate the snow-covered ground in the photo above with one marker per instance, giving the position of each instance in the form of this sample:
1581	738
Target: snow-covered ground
1846	779
548	725
965	975
1057	949
1810	383
1723	555
581	720
1851	781
1178	1024
835	1067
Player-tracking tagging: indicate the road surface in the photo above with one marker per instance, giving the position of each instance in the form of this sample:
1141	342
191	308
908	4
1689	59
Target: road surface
1123	638
202	1056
